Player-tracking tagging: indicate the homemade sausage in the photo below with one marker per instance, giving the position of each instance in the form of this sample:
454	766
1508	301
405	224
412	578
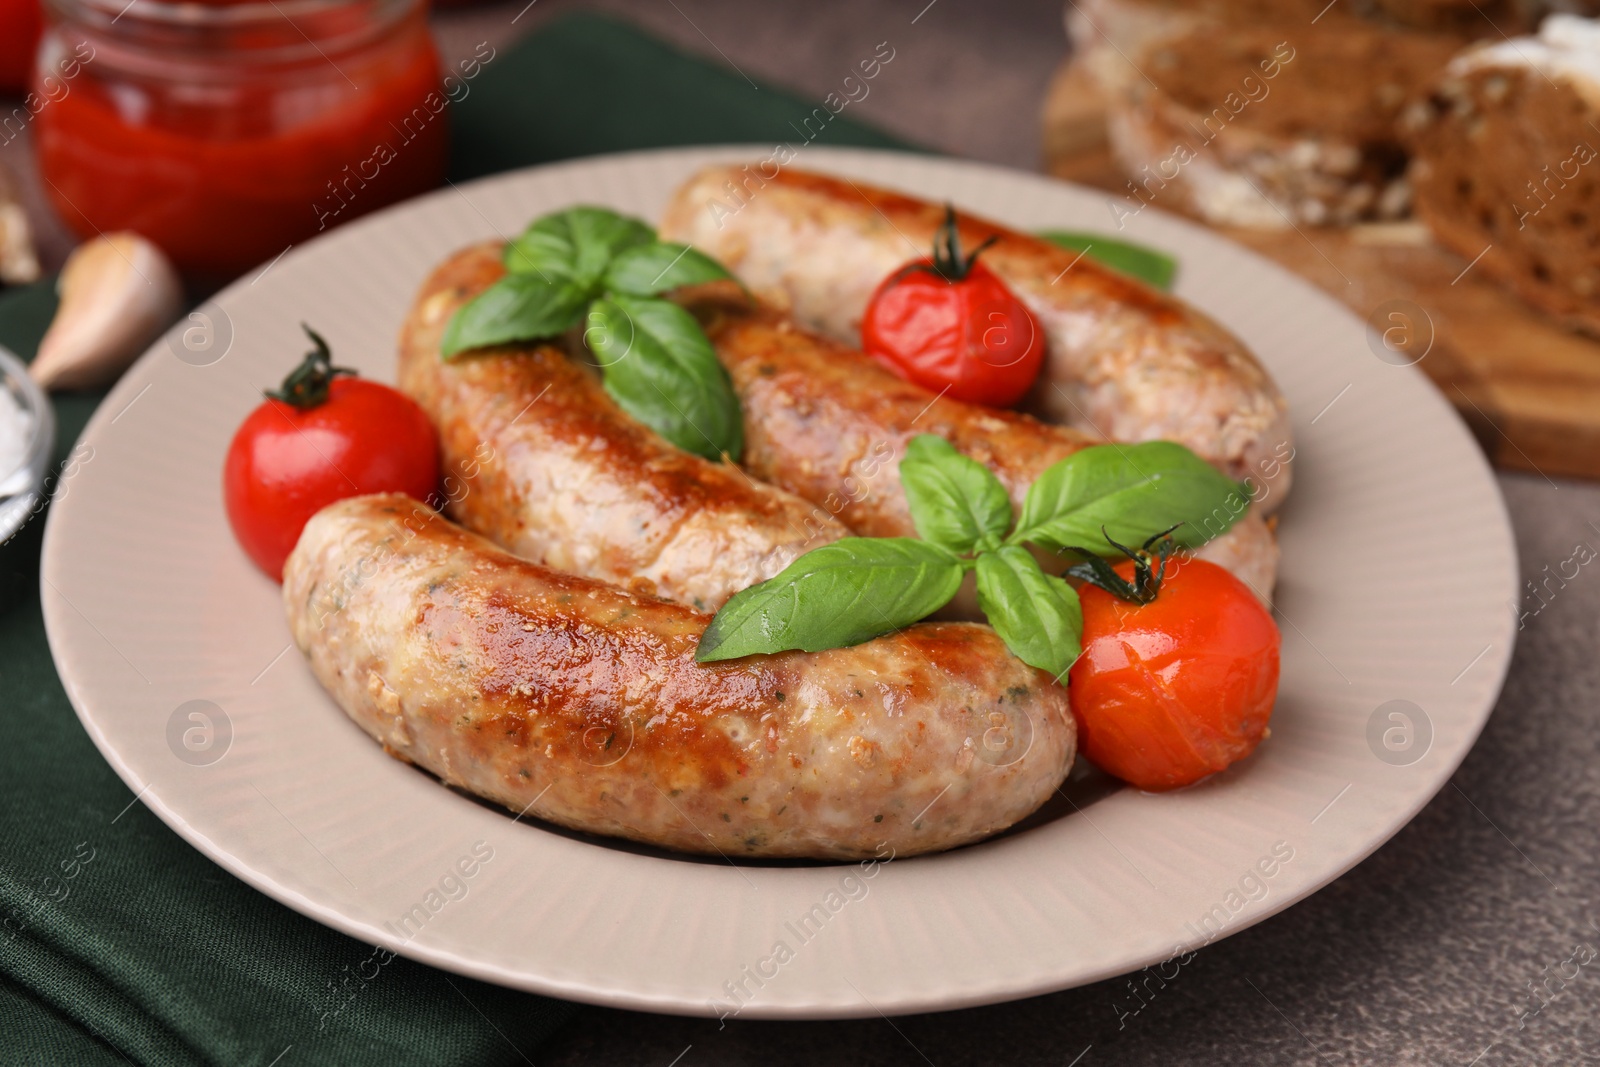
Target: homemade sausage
539	459
829	424
1125	361
580	703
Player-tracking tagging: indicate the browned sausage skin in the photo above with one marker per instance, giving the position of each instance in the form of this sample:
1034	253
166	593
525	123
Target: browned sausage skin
829	424
580	703
541	460
1124	362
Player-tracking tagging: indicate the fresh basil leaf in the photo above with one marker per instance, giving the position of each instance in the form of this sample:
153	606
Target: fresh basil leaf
518	307
660	368
545	252
1133	491
598	235
1037	615
1146	264
576	243
955	501
840	594
645	270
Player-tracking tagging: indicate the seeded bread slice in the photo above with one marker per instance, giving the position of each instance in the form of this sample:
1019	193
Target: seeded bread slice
1507	165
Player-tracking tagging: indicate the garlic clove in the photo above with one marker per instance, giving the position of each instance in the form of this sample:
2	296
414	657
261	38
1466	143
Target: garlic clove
19	264
118	293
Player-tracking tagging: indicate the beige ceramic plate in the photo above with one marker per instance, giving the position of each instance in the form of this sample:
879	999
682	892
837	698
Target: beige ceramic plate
176	655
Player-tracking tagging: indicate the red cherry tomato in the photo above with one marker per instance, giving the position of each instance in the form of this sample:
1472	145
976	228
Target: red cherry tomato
1168	692
949	325
333	437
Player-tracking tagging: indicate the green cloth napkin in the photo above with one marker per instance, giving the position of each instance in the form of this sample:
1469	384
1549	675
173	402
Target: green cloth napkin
121	944
585	85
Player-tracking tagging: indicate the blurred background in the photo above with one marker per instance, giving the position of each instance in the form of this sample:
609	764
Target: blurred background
948	93
1402	176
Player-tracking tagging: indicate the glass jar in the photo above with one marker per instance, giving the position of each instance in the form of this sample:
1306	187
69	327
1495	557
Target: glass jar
226	132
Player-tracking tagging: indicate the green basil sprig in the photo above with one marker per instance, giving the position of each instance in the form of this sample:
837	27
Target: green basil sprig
518	307
1149	266
1036	614
674	384
607	271
1127	492
841	594
860	588
955	501
659	266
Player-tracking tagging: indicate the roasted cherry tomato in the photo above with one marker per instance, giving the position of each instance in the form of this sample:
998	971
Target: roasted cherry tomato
1180	686
322	437
949	325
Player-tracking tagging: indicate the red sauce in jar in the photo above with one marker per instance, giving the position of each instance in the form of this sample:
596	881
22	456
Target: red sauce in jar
228	143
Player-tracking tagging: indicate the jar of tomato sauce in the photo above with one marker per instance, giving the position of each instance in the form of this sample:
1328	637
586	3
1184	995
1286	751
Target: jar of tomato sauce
227	131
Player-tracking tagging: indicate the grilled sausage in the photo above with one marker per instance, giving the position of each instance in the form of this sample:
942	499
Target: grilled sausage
1125	361
580	703
830	425
542	461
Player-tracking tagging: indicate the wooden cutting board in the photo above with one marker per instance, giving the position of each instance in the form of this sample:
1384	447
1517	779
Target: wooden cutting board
1529	389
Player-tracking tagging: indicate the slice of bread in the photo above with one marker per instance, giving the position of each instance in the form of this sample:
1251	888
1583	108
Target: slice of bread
1472	18
1128	24
1489	19
1106	34
1507	165
1275	124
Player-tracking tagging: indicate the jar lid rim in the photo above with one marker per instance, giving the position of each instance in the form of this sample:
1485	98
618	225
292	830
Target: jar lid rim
198	14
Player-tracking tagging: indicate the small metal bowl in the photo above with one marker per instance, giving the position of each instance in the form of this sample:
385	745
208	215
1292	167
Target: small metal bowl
22	489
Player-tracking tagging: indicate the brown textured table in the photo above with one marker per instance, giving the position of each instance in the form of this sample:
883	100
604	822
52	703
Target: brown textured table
1425	953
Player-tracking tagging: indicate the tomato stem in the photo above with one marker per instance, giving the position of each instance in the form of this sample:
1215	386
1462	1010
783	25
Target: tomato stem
1147	576
947	261
307	385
